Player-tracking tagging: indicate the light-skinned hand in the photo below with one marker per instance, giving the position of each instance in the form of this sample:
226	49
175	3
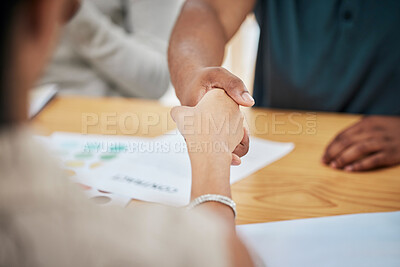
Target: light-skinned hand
209	78
214	127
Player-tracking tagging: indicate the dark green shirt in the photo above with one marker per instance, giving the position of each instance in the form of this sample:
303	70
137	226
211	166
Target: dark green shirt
330	55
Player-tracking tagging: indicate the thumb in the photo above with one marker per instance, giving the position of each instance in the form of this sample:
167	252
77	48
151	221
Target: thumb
233	86
238	92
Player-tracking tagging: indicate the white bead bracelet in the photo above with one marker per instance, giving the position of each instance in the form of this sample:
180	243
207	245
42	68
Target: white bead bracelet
214	198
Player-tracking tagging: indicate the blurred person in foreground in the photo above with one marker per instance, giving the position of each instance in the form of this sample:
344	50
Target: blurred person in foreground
46	221
333	55
115	48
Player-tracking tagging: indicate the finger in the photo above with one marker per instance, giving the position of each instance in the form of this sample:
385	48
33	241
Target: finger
72	10
342	141
243	146
233	86
371	162
235	160
192	98
174	113
356	152
246	131
335	148
178	112
246	125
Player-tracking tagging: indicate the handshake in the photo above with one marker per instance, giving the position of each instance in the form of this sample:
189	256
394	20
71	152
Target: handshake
213	128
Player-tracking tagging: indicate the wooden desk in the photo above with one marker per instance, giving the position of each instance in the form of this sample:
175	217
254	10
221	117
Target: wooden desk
297	186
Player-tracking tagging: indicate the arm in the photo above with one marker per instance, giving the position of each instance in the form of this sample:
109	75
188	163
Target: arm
196	51
211	164
371	143
210	175
134	63
197	48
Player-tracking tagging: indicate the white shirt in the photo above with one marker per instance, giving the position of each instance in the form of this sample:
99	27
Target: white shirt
97	55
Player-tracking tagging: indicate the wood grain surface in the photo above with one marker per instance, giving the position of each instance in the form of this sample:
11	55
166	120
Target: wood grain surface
297	186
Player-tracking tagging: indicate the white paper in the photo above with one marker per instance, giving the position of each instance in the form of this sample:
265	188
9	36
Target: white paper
149	169
146	178
359	240
106	198
163	175
159	172
66	147
261	153
92	151
39	97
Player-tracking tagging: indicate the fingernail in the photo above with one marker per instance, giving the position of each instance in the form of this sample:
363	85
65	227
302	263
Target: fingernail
248	98
333	165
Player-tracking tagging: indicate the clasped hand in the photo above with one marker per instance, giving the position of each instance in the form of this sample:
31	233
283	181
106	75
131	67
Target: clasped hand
373	142
214	127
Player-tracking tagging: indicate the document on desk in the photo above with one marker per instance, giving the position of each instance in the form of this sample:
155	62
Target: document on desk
163	174
357	240
150	169
78	154
261	153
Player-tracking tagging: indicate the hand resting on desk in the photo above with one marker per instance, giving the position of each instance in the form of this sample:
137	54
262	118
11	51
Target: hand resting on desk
373	142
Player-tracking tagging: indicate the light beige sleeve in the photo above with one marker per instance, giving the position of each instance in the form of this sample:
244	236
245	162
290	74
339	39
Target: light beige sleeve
145	236
136	63
47	221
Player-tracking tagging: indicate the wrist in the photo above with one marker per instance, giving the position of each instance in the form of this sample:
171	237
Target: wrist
187	86
210	158
207	198
210	174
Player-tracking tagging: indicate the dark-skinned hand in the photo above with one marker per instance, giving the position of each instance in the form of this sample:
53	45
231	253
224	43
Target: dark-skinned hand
206	79
373	142
71	8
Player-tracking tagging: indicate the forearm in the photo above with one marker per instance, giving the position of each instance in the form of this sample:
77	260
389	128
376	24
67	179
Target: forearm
210	151
211	176
198	40
135	64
